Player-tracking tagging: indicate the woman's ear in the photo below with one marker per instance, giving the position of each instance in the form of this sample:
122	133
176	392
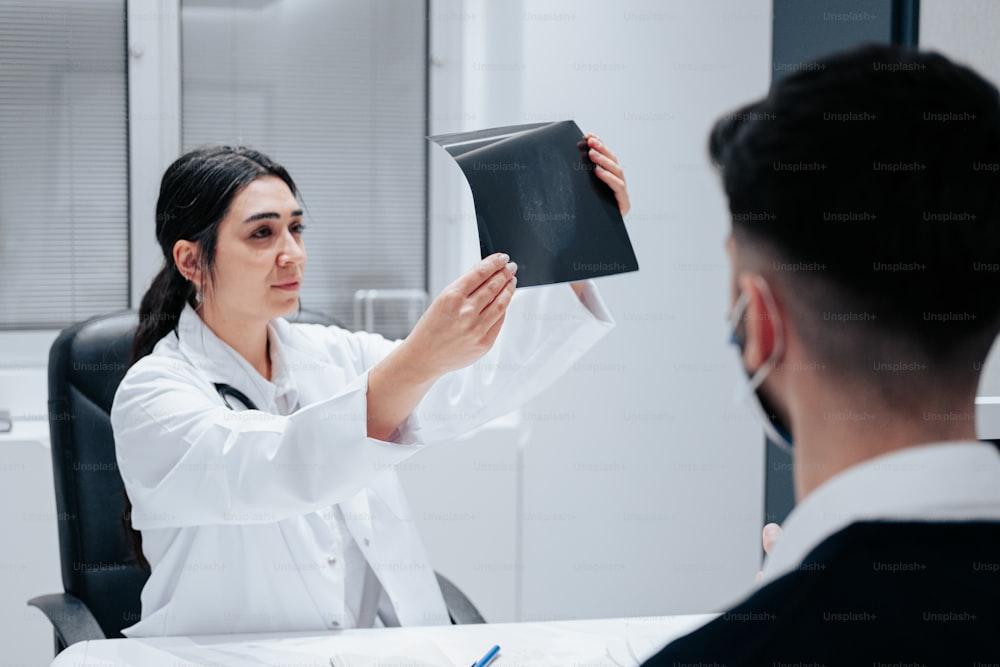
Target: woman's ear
761	321
186	259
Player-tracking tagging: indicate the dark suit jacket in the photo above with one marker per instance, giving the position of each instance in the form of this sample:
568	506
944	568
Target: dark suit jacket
875	594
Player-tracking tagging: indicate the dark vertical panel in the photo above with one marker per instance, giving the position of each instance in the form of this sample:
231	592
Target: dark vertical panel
805	30
905	22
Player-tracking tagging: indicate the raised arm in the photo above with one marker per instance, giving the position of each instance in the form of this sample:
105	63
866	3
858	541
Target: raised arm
458	328
464	321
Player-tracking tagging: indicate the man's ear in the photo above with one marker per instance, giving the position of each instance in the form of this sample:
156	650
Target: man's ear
761	321
187	258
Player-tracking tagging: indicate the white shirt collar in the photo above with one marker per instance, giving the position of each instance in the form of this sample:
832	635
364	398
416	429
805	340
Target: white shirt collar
224	365
938	482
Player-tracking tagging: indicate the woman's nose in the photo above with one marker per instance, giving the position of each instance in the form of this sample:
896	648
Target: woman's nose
292	251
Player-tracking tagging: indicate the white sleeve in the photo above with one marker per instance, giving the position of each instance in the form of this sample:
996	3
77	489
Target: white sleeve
546	331
188	460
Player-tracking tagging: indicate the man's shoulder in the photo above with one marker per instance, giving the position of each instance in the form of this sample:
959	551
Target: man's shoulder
864	594
943	541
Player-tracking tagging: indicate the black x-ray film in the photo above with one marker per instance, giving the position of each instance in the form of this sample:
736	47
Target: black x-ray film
538	199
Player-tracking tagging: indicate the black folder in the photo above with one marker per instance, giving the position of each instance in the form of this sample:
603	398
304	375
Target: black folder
538	200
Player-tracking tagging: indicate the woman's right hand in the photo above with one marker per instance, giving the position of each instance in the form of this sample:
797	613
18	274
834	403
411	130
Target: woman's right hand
458	328
462	323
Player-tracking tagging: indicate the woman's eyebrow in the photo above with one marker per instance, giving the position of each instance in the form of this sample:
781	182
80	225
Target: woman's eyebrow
270	215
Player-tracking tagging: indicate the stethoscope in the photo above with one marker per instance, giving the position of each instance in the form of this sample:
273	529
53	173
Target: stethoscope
227	392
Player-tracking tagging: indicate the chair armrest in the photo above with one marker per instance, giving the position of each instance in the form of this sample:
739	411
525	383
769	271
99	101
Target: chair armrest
71	619
460	607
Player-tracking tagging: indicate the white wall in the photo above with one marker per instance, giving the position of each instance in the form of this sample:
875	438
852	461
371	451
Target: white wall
964	30
660	476
639	485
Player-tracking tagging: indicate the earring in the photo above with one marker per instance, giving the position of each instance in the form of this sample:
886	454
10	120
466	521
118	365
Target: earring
199	296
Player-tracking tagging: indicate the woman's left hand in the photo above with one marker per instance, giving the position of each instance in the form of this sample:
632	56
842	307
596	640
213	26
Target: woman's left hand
608	170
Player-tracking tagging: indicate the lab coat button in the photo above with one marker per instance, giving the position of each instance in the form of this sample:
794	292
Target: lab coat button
331	561
334	624
367	542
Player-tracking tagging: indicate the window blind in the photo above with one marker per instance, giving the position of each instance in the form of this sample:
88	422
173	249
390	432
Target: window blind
336	92
63	162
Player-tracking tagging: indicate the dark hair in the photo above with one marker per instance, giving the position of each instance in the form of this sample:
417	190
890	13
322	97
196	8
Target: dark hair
195	194
869	181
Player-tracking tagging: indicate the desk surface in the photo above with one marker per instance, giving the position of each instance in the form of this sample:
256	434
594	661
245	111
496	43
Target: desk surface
594	643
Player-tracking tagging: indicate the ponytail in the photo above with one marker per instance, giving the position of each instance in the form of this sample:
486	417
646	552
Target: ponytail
159	313
160	310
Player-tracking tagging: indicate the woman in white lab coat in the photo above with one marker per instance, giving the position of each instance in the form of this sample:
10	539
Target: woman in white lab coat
259	455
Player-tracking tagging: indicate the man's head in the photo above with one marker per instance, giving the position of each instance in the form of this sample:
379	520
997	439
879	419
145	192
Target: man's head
865	197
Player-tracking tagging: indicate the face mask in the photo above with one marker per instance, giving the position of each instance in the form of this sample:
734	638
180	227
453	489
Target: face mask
774	427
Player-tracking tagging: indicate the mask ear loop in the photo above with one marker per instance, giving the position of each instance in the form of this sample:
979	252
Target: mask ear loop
779	438
778	349
737	313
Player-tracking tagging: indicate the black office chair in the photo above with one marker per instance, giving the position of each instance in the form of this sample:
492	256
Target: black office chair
101	576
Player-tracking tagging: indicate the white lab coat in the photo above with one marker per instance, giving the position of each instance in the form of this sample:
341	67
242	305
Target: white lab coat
235	506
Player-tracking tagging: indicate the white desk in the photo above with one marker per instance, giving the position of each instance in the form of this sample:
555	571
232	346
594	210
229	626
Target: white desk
594	643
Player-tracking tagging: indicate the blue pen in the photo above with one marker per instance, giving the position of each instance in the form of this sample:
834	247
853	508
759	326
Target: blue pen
488	658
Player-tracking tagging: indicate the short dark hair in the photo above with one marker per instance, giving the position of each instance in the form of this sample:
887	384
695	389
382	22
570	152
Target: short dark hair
870	180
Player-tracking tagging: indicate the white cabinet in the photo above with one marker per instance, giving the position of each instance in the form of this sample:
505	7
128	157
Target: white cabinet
29	556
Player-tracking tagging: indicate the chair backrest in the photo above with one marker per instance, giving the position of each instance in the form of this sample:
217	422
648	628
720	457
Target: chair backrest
99	565
86	363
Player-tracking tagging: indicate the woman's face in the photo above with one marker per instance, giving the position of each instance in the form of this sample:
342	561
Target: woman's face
260	255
